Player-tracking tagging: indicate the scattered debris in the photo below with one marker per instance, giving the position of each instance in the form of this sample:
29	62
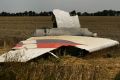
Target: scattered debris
67	33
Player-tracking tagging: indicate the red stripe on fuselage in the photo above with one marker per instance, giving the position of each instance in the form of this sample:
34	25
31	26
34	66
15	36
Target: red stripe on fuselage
18	45
53	45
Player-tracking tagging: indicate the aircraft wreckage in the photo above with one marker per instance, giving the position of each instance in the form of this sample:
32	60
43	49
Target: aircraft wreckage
67	32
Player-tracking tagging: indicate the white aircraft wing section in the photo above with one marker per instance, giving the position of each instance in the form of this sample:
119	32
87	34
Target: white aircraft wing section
64	20
37	46
90	44
23	55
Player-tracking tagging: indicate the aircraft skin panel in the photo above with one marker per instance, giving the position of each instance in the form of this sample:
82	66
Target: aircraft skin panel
63	31
36	46
67	33
89	43
64	20
76	21
23	55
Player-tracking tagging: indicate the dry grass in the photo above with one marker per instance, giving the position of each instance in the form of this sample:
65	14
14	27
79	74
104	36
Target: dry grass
67	68
101	65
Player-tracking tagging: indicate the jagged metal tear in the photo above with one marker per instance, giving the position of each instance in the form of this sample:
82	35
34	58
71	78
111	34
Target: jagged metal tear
66	25
63	31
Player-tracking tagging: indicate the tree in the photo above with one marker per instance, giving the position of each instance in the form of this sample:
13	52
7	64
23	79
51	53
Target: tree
72	13
85	14
79	13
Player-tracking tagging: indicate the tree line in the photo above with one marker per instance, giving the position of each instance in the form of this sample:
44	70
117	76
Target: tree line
27	13
49	13
99	13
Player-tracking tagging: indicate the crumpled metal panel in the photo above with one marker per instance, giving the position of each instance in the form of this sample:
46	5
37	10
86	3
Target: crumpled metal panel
64	19
64	31
90	44
23	55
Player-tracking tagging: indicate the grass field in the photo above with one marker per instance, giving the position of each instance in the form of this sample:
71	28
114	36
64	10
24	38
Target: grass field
23	26
101	65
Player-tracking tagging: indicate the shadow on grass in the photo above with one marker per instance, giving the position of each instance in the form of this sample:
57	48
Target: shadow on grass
117	77
7	75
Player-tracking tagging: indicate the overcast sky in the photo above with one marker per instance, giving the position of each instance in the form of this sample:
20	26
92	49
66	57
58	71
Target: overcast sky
49	5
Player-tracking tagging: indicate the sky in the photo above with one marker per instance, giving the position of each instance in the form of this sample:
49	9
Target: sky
49	5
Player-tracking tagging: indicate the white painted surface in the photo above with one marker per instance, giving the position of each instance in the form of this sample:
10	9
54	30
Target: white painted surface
65	31
75	20
26	46
64	20
90	44
23	55
29	42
